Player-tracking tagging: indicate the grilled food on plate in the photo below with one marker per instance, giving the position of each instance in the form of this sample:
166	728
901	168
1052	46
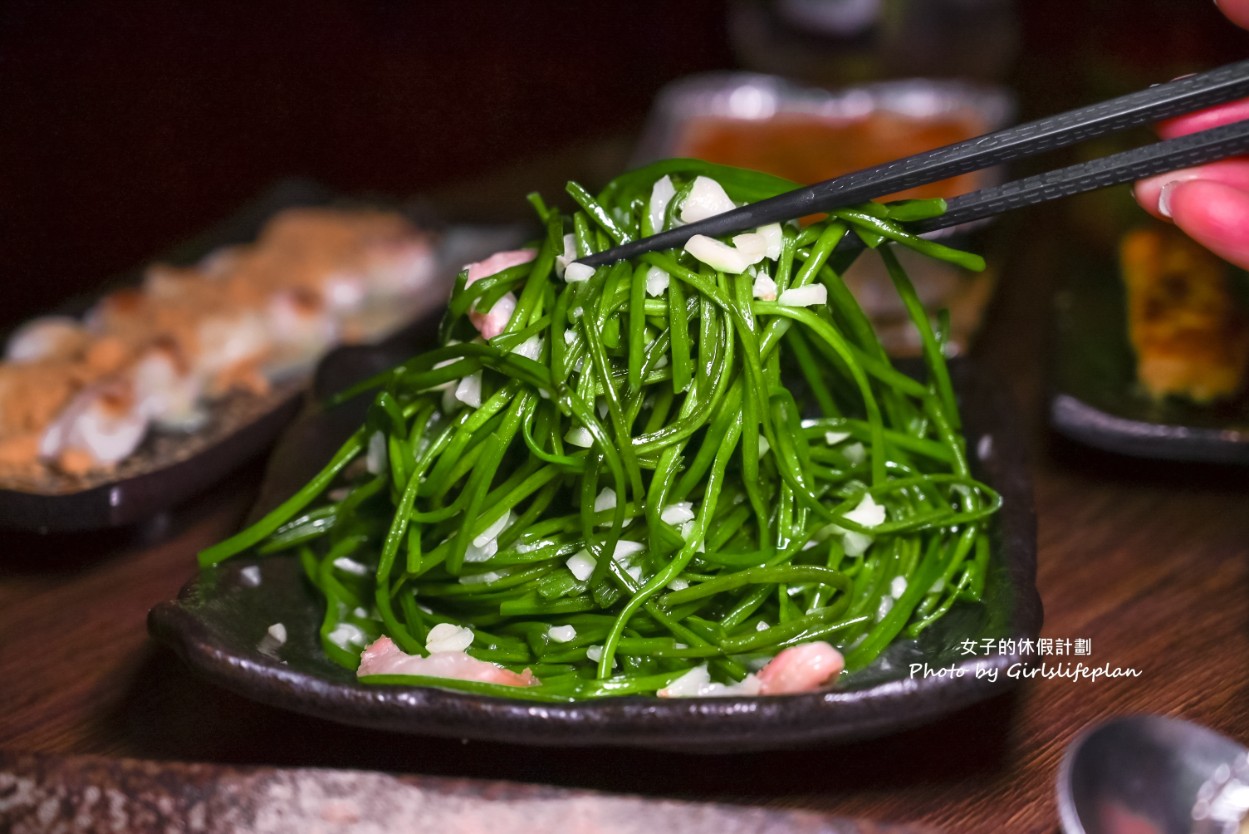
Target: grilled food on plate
80	395
1189	332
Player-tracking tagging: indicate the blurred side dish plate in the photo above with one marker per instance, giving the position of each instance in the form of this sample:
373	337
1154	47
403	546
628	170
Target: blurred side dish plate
79	394
1189	332
809	134
123	405
1152	351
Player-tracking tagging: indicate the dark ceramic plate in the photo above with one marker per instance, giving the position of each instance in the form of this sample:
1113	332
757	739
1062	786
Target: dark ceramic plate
169	468
1096	400
220	618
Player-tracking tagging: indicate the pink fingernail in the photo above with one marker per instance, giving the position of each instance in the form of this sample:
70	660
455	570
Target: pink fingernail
1164	198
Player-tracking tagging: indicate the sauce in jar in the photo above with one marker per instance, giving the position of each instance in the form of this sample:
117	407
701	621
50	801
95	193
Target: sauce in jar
811	148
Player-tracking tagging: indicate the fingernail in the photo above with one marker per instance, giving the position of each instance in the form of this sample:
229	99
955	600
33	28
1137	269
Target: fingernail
1164	198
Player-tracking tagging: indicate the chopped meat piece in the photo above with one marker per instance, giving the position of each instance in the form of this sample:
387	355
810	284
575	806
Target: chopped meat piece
802	668
383	657
491	323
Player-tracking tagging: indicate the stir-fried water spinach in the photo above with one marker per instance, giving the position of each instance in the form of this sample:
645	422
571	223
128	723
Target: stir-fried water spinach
656	466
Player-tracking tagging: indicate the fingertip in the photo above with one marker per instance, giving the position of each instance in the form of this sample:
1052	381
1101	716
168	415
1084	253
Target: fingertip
1237	11
1211	203
1164	198
1149	194
1214	214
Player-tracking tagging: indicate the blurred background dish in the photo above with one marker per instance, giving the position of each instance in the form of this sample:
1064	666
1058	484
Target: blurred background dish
808	134
1149	349
169	461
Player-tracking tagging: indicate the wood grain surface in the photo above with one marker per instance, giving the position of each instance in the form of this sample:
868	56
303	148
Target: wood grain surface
1147	562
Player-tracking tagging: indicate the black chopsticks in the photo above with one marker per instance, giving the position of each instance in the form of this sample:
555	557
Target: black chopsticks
1161	101
1181	152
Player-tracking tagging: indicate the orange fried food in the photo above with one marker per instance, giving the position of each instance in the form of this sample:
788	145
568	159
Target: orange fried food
1190	335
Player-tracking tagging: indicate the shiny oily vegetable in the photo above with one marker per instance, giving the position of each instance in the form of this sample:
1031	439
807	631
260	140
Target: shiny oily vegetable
729	476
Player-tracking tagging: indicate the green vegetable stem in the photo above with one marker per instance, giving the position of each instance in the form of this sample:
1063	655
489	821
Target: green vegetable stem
659	465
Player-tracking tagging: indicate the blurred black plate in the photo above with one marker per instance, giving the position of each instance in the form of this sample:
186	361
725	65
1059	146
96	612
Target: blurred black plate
1095	398
169	468
217	623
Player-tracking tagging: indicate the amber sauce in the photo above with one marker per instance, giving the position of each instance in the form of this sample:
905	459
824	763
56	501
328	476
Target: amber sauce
809	148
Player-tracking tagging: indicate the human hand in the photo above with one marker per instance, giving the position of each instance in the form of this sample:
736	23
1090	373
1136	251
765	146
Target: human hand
1237	11
1210	203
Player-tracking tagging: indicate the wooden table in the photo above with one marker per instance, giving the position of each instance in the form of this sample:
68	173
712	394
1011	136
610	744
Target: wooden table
1148	562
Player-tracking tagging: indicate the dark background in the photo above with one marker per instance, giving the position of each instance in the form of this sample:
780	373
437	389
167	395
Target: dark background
127	126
